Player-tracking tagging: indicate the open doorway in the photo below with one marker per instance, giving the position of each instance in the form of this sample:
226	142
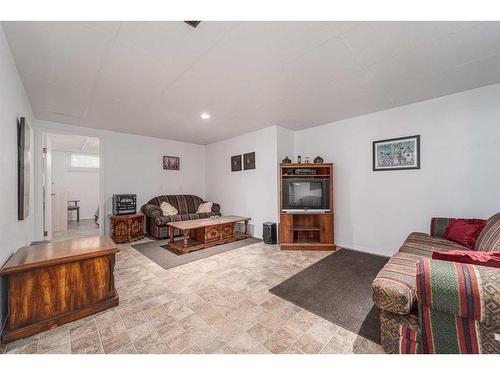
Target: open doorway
71	186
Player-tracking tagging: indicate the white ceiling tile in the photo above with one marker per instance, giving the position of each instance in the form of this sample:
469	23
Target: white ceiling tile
465	77
49	97
60	52
132	76
455	49
109	28
116	114
174	42
331	61
372	42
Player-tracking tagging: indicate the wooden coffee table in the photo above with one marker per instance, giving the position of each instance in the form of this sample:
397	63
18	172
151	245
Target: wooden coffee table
202	233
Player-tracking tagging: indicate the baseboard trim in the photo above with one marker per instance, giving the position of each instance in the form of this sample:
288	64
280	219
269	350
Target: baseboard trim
364	249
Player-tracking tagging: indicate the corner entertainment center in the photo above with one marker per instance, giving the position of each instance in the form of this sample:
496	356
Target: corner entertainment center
306	206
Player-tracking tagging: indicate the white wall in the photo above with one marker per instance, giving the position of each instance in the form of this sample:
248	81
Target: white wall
252	192
80	185
459	175
13	104
133	164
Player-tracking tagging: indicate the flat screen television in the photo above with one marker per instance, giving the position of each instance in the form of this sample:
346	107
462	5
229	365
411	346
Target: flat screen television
306	194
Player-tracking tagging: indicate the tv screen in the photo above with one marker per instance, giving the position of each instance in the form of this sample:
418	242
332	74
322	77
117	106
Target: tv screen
306	194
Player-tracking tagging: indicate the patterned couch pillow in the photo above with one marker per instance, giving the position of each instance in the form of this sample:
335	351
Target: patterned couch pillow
489	238
168	209
205	207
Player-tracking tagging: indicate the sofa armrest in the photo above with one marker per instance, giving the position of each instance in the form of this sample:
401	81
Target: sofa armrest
439	225
215	207
152	211
463	290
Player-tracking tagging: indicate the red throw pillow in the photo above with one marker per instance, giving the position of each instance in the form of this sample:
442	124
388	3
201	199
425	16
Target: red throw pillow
464	231
481	258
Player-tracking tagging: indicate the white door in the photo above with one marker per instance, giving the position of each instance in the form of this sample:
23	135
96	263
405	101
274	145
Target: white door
47	187
59	209
56	209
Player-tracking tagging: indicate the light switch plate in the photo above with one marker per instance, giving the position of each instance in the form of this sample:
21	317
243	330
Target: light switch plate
497	336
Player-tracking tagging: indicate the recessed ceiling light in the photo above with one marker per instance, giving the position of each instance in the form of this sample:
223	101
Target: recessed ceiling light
205	116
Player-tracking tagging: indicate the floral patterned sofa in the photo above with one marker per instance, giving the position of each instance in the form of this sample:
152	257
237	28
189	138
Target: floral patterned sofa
186	205
434	306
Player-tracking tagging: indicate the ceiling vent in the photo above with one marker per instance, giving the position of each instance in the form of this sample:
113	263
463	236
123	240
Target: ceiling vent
193	23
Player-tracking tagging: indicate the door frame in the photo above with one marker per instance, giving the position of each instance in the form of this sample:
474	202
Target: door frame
39	132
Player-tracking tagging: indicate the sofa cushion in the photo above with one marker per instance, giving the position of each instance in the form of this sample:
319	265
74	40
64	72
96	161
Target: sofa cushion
461	290
480	258
464	231
394	287
489	238
424	245
168	209
204	208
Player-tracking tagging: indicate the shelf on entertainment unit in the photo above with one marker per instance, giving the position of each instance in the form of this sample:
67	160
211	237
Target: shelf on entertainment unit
305	228
306	175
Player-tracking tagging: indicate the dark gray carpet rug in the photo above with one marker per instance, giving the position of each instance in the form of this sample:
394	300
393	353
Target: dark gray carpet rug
338	289
168	259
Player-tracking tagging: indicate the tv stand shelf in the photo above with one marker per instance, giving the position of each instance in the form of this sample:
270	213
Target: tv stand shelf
302	230
305	228
305	175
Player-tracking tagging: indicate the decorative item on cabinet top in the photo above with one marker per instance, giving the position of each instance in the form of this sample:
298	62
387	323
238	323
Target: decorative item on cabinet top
286	160
318	160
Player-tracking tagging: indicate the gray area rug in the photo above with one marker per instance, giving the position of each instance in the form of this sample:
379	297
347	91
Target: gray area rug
338	289
168	259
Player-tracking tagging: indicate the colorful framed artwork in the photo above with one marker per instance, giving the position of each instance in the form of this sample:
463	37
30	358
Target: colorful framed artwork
171	163
397	154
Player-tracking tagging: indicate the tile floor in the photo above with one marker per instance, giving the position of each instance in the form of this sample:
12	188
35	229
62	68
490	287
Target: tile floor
78	229
219	304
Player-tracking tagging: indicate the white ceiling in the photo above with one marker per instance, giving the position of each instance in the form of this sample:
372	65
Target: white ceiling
74	143
156	78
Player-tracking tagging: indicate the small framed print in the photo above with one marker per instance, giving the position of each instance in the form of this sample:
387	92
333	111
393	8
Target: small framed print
235	163
171	163
249	160
397	154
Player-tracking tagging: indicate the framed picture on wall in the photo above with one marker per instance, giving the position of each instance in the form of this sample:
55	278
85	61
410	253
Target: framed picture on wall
249	160
397	154
171	163
23	168
235	163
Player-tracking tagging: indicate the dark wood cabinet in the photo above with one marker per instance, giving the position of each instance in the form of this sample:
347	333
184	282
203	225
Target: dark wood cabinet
56	283
127	228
